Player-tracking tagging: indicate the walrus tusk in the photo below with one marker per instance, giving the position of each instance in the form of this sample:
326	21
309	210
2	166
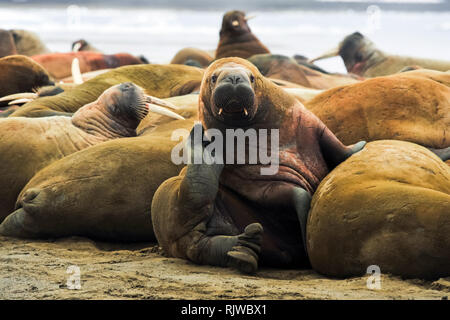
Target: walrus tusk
246	112
235	23
154	100
22	95
330	53
220	111
76	72
20	101
161	110
250	17
76	47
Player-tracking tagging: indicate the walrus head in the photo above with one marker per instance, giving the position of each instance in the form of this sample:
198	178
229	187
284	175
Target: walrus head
234	23
236	38
119	110
358	53
234	94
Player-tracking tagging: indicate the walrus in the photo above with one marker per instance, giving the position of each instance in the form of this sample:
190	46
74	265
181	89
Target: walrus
30	144
361	57
285	68
59	64
28	43
236	38
389	207
162	81
103	192
19	73
237	215
413	106
7	46
192	57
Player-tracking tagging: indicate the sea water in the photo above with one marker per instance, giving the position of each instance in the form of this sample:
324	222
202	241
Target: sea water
159	33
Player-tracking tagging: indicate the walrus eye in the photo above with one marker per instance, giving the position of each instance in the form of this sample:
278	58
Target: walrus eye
252	78
214	79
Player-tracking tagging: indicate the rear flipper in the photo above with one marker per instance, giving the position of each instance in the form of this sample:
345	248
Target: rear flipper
444	154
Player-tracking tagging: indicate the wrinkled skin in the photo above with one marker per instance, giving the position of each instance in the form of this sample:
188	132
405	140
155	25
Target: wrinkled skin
232	215
236	38
29	144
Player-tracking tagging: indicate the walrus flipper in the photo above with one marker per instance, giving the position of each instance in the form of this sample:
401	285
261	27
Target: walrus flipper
302	202
182	210
444	153
334	151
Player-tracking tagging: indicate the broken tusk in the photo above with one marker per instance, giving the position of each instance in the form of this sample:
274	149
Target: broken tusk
220	111
330	53
250	17
246	112
76	72
22	95
19	101
235	23
163	111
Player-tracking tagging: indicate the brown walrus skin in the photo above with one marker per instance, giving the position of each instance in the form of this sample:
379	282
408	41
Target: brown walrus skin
215	214
21	74
192	57
412	106
236	38
7	46
285	68
361	57
162	81
30	144
59	65
105	191
388	206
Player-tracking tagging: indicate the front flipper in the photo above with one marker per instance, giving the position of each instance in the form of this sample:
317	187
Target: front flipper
444	153
183	206
334	151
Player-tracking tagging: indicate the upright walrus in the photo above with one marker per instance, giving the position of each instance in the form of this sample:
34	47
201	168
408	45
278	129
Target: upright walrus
28	145
236	38
216	214
361	57
161	81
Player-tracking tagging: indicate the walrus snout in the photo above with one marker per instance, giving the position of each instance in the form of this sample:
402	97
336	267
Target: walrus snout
233	95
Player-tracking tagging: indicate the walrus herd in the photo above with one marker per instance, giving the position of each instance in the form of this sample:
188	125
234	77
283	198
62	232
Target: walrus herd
234	157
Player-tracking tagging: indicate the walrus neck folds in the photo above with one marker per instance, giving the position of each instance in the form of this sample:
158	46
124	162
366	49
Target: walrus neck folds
97	120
